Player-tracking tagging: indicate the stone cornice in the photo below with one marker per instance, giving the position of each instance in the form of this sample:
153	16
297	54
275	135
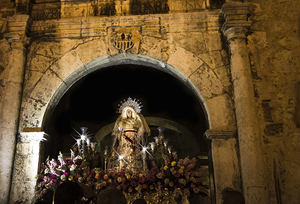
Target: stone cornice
236	22
98	26
219	134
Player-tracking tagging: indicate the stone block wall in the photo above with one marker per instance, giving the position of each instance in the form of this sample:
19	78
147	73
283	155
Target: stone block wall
274	44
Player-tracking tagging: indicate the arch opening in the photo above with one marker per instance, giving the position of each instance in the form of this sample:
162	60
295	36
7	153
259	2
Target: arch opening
93	99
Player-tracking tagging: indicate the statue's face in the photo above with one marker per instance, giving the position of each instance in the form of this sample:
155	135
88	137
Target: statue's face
129	113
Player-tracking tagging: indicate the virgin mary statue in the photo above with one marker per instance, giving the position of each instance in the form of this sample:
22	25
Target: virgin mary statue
128	141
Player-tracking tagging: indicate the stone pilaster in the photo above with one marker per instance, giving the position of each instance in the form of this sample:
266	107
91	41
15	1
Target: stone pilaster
11	99
235	29
225	161
26	166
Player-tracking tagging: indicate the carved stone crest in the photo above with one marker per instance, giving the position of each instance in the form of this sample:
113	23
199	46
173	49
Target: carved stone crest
124	39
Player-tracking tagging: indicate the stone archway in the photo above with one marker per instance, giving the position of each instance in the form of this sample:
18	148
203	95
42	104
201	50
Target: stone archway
218	110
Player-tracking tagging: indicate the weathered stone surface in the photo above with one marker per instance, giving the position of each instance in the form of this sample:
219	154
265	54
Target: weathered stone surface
250	141
185	61
275	47
226	166
207	81
38	100
26	166
11	80
181	39
155	47
91	50
221	115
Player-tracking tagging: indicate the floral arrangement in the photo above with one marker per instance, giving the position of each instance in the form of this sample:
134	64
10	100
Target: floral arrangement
166	175
174	177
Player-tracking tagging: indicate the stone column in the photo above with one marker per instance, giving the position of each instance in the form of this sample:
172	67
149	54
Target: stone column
26	166
235	29
225	162
11	98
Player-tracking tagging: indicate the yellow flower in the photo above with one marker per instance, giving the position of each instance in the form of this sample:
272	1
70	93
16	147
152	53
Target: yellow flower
130	190
119	179
128	176
182	167
140	175
166	189
69	166
180	171
173	163
166	167
70	178
171	184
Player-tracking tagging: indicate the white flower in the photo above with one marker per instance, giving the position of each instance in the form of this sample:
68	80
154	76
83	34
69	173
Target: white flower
73	167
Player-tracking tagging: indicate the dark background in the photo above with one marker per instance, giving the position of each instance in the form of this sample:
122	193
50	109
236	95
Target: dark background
93	102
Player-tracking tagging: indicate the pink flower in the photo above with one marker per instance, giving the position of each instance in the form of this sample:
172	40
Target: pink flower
122	173
66	173
53	163
46	179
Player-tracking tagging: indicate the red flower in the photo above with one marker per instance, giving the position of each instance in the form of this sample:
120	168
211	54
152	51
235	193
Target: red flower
142	179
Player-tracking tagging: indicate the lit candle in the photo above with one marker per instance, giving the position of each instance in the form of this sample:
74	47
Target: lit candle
93	146
78	143
88	142
121	157
156	140
169	150
152	145
165	143
144	149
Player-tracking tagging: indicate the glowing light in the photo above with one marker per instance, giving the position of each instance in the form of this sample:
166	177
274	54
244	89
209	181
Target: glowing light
78	142
121	157
144	149
83	137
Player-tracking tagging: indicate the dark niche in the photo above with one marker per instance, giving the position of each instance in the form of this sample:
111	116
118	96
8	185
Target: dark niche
216	4
104	8
138	7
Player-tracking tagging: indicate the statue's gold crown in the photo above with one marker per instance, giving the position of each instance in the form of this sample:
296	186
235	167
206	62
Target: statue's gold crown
134	103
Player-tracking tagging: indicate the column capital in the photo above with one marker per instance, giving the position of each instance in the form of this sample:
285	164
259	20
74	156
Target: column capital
219	134
16	29
30	135
236	22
